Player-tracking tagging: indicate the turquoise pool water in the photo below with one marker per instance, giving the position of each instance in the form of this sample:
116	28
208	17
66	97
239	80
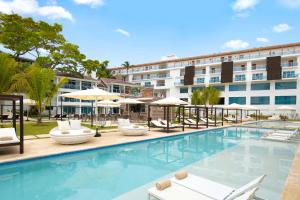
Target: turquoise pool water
111	172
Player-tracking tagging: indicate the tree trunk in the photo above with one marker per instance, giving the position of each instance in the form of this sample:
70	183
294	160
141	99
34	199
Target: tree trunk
39	119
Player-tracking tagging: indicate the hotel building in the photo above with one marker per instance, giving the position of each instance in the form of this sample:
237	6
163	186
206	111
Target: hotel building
266	77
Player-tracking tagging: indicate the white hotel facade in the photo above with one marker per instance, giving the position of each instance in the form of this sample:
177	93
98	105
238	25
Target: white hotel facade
266	77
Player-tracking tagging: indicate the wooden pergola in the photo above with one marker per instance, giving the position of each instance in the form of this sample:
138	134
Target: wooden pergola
166	109
14	99
206	110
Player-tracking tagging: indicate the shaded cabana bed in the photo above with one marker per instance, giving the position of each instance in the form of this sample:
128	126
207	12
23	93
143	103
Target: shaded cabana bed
11	132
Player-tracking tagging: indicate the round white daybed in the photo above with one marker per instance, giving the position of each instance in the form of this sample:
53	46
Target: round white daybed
133	131
71	136
128	129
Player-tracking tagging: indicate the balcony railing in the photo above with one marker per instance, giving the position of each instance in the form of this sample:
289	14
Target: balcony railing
259	77
160	84
259	67
178	83
215	80
149	86
239	69
289	75
239	78
71	86
289	64
217	71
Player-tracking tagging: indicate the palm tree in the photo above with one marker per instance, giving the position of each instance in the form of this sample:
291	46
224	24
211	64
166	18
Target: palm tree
213	96
127	65
38	84
8	67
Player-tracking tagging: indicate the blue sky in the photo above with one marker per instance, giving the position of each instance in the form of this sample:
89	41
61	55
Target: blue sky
141	31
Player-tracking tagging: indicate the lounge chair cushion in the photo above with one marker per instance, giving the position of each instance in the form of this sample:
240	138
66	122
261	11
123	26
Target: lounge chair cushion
176	192
63	125
246	188
75	124
6	133
205	186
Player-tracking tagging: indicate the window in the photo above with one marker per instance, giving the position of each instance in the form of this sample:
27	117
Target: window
72	84
69	109
221	101
182	72
215	79
262	100
285	100
259	76
160	83
148	84
238	100
241	77
240	87
260	86
86	110
200	80
86	85
197	88
116	89
184	90
253	66
285	85
213	70
289	74
219	87
203	71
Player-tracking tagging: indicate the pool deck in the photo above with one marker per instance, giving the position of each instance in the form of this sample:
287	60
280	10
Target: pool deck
292	186
43	145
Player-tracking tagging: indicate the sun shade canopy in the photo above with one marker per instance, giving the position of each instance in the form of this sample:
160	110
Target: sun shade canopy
91	94
170	101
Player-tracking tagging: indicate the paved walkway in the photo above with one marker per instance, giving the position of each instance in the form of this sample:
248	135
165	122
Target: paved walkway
292	185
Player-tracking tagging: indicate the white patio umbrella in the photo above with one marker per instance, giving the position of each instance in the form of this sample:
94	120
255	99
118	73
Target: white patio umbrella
129	101
170	101
27	102
94	94
234	106
285	108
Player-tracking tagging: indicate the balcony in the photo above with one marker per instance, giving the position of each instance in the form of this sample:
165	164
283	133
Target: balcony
149	86
178	83
239	69
259	67
259	77
71	86
239	78
217	71
289	64
289	75
158	76
160	84
214	80
199	80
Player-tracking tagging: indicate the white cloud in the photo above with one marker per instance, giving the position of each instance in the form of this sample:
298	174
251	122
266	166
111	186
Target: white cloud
236	44
281	28
92	3
261	39
123	32
32	7
243	5
291	3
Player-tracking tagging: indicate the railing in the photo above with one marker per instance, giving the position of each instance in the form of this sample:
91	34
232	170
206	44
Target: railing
215	80
216	71
178	83
258	77
289	75
259	67
289	64
148	86
71	86
199	80
218	60
239	78
239	69
160	84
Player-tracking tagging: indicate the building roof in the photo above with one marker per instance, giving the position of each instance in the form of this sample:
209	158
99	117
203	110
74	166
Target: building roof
216	55
75	76
108	81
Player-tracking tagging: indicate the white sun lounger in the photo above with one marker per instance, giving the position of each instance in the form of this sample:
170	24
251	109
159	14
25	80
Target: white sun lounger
158	124
189	122
284	136
8	136
178	192
230	119
210	122
170	124
209	188
128	129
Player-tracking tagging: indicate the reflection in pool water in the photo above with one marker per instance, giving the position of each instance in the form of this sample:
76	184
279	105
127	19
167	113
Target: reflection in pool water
231	155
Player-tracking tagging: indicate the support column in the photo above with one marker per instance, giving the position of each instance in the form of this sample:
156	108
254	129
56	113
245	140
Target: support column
168	118
206	110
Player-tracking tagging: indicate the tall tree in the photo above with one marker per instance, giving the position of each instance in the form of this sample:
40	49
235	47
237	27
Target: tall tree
212	96
8	68
127	66
43	41
38	84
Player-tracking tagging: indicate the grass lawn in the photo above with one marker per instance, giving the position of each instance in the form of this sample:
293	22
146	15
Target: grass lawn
45	127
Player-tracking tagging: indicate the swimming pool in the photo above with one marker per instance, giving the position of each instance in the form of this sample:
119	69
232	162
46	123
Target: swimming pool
231	156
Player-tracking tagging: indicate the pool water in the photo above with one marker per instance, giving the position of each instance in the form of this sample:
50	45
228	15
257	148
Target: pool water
275	124
231	156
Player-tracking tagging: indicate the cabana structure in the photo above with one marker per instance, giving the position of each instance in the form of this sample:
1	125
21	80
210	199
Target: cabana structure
8	135
167	104
206	120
